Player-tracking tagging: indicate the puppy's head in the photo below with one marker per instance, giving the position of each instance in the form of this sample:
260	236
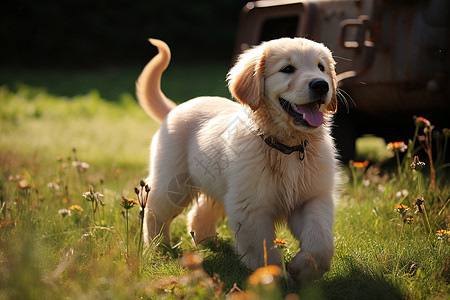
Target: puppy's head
294	79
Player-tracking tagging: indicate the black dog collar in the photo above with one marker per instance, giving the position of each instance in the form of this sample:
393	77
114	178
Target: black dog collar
284	148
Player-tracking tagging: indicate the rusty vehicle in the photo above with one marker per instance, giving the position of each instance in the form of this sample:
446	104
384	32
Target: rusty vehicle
392	58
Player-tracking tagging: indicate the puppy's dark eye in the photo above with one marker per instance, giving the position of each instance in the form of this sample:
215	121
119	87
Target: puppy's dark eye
321	67
288	69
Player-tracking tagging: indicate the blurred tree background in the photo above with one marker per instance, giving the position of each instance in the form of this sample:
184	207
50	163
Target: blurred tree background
100	33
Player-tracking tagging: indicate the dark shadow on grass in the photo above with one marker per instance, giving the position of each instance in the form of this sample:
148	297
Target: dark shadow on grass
350	280
225	262
353	281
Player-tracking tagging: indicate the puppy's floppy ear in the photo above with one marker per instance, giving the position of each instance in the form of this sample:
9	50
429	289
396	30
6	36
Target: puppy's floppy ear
246	78
332	106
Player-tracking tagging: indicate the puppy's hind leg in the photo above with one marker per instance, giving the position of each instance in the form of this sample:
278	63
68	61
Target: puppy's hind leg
158	216
203	217
166	201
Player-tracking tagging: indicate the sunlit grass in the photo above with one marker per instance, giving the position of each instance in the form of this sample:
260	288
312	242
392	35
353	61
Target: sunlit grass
47	253
34	122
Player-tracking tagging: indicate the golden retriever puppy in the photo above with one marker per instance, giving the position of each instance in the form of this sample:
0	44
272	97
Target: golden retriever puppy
267	160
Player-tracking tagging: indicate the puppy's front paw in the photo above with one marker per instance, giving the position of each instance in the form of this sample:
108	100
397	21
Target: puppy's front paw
305	267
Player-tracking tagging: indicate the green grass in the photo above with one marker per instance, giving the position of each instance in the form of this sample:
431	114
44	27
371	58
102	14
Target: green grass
180	81
46	255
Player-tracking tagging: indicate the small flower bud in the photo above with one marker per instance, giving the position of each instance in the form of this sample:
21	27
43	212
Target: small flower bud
446	132
418	205
417	164
421	121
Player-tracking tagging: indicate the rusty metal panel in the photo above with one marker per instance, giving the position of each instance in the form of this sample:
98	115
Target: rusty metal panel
392	55
408	67
317	20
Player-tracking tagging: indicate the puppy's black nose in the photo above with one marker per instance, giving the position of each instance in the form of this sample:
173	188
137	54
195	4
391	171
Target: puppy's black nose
319	87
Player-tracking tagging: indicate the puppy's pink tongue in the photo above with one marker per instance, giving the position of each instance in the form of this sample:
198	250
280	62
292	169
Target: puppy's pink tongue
311	113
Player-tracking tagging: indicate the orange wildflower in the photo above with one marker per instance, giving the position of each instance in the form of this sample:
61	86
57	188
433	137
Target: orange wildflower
421	121
75	207
442	233
401	146
264	275
128	203
401	208
279	241
361	164
405	207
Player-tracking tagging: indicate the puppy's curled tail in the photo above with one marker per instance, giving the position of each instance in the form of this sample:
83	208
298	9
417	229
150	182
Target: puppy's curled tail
148	85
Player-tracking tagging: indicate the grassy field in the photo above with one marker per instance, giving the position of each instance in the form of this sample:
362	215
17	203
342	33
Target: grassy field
55	142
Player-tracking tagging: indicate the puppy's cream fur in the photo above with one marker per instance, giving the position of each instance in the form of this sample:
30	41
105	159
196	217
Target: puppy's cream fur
208	149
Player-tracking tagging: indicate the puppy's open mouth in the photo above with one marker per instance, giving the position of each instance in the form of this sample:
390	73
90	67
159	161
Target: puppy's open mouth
304	114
